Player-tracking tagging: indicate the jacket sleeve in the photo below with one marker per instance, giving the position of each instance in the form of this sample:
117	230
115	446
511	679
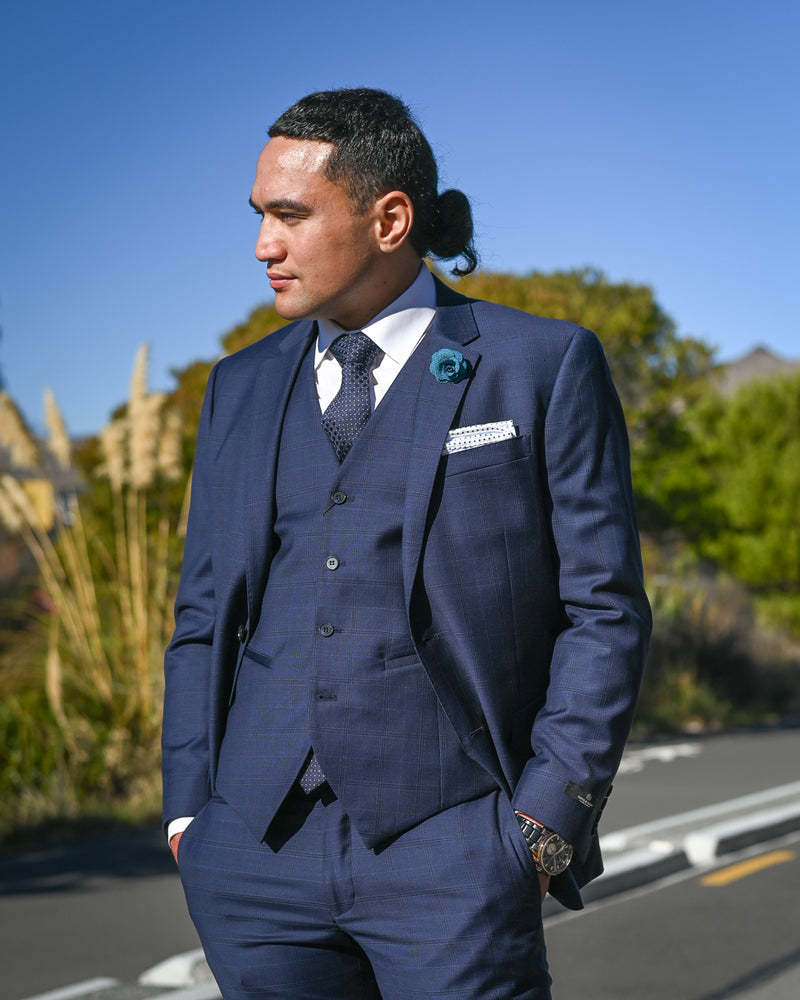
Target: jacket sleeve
597	663
187	663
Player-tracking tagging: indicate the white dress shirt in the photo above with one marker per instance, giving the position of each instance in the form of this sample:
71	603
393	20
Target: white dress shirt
397	331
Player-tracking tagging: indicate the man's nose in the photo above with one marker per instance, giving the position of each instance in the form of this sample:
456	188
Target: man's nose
268	246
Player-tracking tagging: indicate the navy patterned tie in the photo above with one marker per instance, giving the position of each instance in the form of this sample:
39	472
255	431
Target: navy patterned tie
311	775
350	409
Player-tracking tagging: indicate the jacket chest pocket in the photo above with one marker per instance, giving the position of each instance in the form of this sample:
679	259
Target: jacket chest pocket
489	491
496	453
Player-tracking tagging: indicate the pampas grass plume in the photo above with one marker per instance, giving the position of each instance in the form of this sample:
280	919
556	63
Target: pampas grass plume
169	452
58	442
112	445
143	440
9	514
15	436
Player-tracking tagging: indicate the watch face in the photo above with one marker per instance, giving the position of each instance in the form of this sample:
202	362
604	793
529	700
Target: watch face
555	854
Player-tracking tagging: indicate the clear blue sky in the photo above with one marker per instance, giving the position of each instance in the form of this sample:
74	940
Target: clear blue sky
657	141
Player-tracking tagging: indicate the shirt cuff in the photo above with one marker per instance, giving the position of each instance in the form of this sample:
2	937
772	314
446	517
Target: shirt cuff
177	826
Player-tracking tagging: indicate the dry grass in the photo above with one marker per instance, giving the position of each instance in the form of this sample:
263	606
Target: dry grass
101	674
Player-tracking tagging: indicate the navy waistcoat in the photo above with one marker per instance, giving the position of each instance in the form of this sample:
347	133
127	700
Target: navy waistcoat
332	663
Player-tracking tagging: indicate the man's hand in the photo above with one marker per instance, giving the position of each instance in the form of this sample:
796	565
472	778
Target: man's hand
176	839
544	880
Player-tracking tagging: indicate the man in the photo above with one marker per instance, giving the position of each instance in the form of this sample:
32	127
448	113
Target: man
411	624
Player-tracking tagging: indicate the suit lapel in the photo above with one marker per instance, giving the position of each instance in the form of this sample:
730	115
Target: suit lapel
272	387
437	406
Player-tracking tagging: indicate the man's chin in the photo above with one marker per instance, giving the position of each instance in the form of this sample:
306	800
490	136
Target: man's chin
286	309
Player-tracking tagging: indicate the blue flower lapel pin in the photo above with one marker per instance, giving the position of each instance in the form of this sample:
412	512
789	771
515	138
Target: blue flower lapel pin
449	366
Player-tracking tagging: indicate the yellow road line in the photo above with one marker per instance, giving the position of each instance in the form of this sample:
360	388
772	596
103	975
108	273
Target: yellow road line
744	868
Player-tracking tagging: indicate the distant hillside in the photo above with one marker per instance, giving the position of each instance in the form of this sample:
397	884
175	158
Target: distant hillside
756	364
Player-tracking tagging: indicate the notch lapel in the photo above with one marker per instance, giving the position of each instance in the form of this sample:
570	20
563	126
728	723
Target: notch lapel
438	403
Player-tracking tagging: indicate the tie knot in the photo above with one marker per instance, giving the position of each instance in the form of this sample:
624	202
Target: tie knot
354	349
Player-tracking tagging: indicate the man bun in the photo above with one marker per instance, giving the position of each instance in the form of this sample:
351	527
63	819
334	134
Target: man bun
451	231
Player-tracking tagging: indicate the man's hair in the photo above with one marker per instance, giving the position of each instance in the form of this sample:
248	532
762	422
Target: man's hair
378	147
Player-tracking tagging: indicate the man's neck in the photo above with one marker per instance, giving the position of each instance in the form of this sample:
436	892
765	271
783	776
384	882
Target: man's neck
418	297
397	274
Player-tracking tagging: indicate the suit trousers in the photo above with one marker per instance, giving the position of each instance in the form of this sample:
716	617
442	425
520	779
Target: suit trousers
450	908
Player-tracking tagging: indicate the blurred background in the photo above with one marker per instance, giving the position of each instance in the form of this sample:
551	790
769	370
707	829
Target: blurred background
633	167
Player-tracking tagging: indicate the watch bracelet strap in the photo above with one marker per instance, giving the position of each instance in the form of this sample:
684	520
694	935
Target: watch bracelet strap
533	831
529	827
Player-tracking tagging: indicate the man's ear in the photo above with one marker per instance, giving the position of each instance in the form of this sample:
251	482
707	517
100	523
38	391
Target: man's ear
394	214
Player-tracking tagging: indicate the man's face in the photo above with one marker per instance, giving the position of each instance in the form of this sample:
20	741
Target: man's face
322	258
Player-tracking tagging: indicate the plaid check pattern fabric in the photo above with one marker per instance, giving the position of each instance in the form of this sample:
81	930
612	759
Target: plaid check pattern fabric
350	408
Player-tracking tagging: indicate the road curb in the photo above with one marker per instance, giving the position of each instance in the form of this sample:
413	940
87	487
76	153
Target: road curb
705	846
635	870
640	866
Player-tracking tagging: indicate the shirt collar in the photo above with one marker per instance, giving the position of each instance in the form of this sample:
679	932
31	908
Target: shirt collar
397	329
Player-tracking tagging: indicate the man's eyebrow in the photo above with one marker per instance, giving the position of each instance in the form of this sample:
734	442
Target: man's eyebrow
285	204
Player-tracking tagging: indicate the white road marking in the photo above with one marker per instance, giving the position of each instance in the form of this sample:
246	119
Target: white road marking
618	840
175	971
78	989
634	761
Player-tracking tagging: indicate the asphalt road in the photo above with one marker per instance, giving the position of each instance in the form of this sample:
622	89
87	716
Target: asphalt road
114	907
109	907
678	775
696	937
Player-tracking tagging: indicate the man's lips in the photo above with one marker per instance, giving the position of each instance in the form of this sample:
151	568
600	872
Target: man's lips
278	280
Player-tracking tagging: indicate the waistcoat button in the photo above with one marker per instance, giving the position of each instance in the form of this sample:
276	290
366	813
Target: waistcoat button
326	630
339	497
332	562
241	633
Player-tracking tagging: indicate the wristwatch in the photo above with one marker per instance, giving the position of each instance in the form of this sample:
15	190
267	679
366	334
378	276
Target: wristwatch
551	853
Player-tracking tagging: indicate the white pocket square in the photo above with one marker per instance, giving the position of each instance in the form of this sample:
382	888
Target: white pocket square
476	436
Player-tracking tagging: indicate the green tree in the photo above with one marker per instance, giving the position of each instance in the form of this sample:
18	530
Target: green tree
749	445
261	321
187	397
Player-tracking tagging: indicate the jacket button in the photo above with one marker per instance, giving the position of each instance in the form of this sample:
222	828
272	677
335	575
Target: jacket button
338	497
332	562
241	633
326	630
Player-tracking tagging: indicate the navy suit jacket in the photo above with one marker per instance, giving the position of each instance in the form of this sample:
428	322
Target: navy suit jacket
521	563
